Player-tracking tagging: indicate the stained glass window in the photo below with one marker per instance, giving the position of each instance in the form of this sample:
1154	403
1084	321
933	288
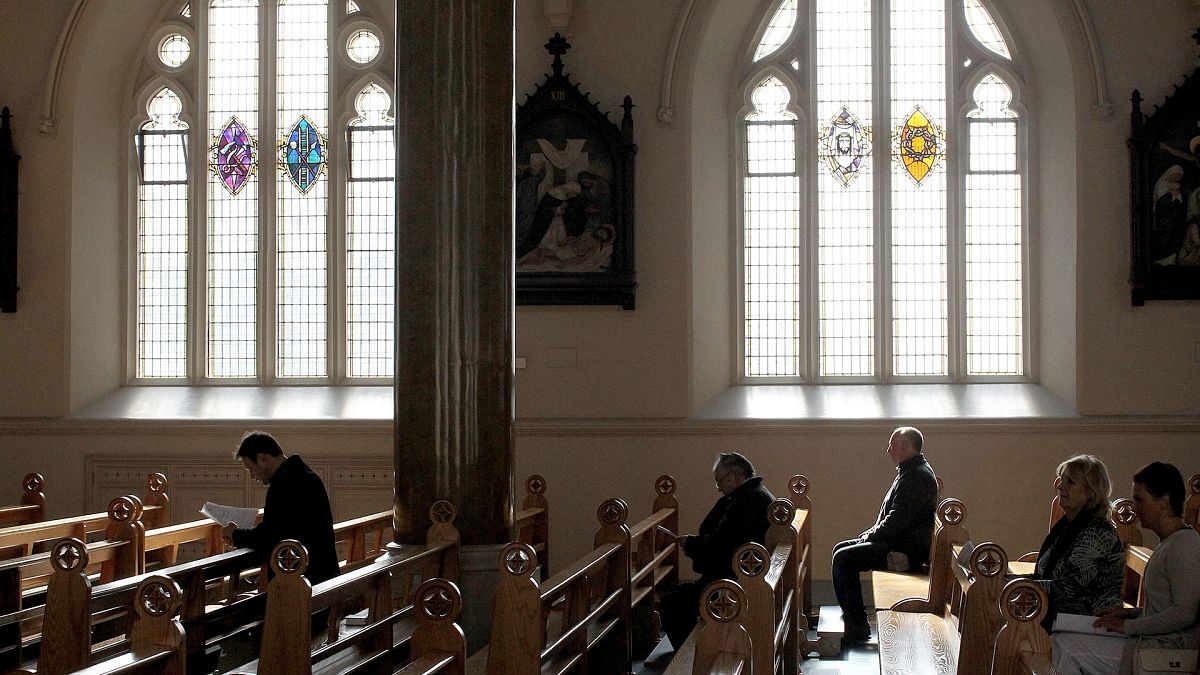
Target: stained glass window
916	267
778	31
984	28
289	282
363	46
162	241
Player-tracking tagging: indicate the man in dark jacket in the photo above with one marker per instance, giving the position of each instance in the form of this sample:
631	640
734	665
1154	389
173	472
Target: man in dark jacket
296	507
738	517
904	526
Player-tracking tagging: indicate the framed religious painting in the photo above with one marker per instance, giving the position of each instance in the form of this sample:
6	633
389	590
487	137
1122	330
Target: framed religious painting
574	182
1164	152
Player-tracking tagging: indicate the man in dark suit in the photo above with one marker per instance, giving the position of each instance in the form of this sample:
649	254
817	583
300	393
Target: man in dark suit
902	531
738	517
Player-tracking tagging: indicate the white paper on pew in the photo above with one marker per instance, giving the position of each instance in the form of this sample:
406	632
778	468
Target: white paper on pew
223	515
1080	623
964	556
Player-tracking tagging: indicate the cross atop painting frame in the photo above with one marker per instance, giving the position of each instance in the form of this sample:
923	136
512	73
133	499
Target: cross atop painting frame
574	195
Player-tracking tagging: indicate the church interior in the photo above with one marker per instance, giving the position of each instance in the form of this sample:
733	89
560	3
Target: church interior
597	399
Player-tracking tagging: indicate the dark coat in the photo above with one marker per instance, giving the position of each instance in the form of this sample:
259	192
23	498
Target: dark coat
737	518
296	507
905	521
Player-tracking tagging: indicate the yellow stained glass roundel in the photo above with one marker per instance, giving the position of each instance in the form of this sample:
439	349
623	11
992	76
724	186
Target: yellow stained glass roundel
920	145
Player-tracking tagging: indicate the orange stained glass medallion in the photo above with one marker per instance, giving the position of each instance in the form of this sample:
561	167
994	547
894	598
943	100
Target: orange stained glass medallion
920	145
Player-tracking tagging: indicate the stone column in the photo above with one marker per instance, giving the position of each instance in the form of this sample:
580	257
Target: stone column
454	281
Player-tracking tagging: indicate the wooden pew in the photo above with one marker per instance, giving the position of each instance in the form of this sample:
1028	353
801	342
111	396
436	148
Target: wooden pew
654	564
798	487
437	645
594	592
768	575
914	592
23	540
721	644
960	639
1022	645
531	524
32	508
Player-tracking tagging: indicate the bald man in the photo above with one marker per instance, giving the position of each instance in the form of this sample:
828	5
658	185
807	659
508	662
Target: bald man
904	525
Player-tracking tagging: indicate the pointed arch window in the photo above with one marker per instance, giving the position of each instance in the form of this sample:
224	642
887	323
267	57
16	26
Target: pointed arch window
253	283
885	240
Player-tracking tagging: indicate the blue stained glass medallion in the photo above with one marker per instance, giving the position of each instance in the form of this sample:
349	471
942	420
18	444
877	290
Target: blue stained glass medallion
231	156
302	154
844	146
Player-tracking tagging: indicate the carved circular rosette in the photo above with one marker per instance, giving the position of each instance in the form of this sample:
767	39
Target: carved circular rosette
68	555
33	482
988	560
1194	483
1123	511
951	511
157	482
1023	600
722	602
439	599
751	560
158	596
443	512
289	557
799	484
518	559
781	512
665	485
125	509
613	512
535	484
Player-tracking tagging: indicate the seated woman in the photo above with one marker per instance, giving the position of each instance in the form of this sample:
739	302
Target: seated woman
1082	559
1171	588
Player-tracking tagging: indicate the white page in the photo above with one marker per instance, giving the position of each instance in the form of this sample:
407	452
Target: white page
1080	623
223	515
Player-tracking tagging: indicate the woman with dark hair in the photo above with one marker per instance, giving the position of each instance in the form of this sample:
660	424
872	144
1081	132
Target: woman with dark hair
1170	588
1081	560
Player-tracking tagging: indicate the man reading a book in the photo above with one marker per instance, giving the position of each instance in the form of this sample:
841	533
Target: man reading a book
296	507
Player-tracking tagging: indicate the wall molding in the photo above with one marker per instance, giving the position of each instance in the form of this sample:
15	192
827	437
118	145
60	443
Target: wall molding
1102	106
49	123
666	106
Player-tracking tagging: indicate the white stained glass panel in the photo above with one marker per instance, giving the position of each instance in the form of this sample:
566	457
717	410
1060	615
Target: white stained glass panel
301	258
984	28
162	242
371	239
845	214
363	46
778	30
174	50
994	306
920	342
232	265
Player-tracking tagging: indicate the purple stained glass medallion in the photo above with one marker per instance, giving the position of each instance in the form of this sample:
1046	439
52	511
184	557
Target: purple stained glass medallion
231	156
844	146
302	154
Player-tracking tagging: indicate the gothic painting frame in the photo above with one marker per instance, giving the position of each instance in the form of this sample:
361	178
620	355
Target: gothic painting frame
574	196
1164	150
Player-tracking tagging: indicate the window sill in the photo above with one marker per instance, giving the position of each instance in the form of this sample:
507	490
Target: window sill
885	401
216	404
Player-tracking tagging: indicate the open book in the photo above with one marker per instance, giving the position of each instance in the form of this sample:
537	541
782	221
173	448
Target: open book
1080	623
223	515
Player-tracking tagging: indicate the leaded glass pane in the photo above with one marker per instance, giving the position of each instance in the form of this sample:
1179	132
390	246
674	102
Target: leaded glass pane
845	212
174	50
232	264
919	311
162	241
371	238
363	46
778	30
301	209
984	28
994	305
771	236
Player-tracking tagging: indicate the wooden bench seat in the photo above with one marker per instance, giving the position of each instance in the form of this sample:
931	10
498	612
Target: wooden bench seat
31	508
912	592
1022	645
959	639
531	524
